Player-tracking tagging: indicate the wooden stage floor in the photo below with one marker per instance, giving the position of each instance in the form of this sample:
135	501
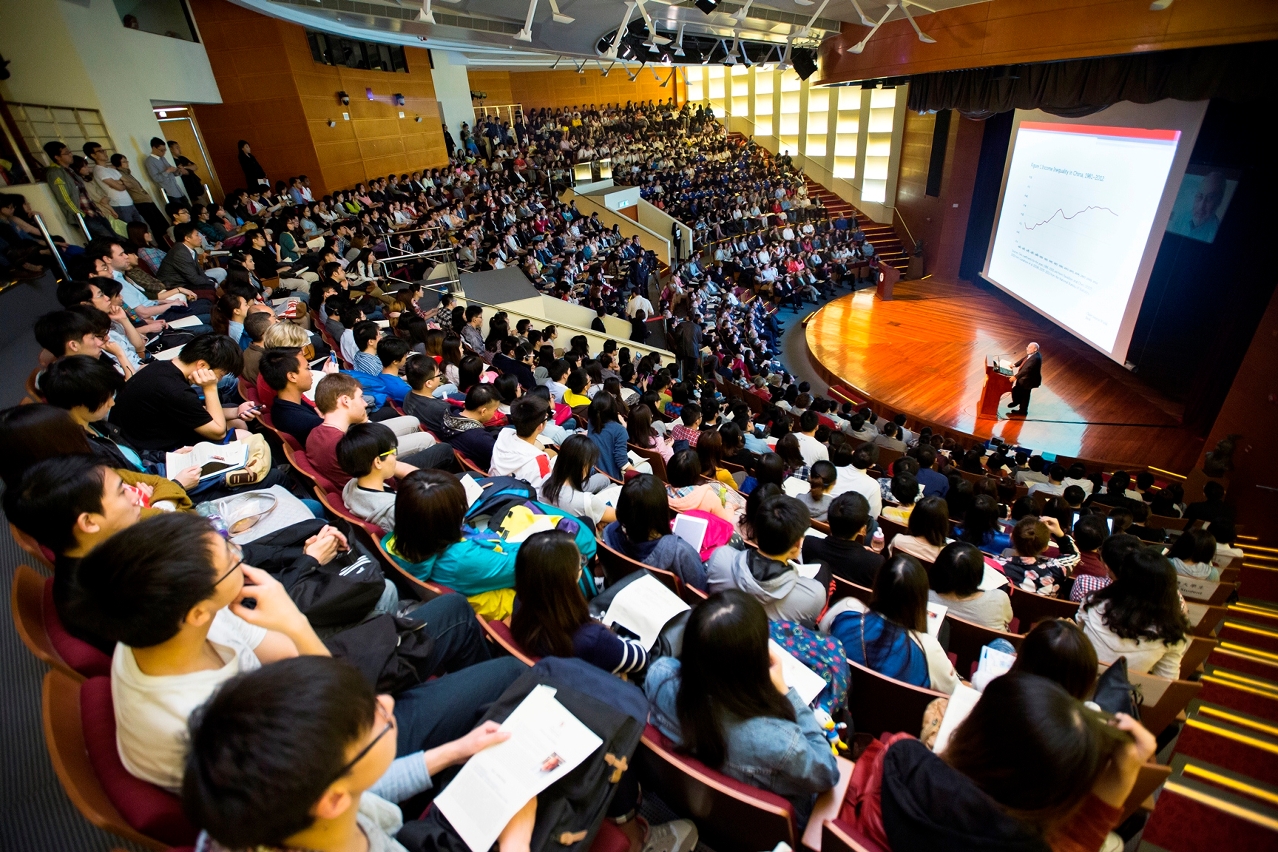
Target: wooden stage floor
924	353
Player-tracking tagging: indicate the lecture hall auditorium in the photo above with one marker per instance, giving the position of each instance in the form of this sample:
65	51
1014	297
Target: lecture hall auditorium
638	425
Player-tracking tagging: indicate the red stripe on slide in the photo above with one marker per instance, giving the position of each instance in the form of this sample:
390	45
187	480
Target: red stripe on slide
1097	130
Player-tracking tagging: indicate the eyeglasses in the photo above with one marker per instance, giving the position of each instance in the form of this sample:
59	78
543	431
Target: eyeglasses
390	726
237	554
392	451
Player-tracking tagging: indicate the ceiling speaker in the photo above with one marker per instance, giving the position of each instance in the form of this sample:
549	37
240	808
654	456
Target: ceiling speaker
804	61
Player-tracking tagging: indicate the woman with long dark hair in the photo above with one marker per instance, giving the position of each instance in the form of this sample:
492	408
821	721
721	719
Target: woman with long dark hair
642	531
929	524
1139	616
890	636
551	618
566	485
725	701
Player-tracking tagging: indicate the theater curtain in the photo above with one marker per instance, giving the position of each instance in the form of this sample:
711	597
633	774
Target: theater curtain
1243	72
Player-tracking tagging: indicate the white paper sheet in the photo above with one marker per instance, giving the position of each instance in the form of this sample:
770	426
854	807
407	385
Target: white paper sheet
995	662
935	615
794	486
643	608
691	529
168	354
992	579
546	743
808	570
185	322
798	676
962	700
610	495
813	532
472	488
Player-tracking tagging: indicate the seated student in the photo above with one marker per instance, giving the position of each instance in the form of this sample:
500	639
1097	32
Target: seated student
1112	552
955	579
980	526
725	701
466	431
435	544
173	595
1225	532
933	482
1192	554
578	385
1029	569
255	327
516	451
767	573
368	454
424	379
556	378
928	528
287	372
710	453
686	490
551	618
905	490
1140	514
1033	472
817	498
687	431
842	550
641	433
986	790
340	401
158	409
1060	651
605	429
63	333
1115	492
890	635
642	531
392	353
1169	502
300	754
1139	616
565	486
366	334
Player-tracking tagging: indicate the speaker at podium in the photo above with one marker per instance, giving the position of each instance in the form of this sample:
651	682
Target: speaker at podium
998	381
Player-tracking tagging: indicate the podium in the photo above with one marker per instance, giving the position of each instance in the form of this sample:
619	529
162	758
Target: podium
885	276
997	383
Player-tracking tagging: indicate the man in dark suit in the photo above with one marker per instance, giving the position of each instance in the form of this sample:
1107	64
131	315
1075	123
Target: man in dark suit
1029	375
179	267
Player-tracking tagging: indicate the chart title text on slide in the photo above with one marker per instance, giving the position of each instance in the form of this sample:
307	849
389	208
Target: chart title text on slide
1075	218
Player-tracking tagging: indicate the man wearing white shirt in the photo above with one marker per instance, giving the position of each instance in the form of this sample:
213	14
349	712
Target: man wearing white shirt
638	303
163	172
110	178
813	450
1055	481
1078	476
852	466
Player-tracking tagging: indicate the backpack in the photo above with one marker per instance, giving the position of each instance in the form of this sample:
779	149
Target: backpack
393	652
343	592
570	811
669	642
499	492
821	653
516	517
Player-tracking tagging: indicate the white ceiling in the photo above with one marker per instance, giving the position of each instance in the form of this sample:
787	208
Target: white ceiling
483	30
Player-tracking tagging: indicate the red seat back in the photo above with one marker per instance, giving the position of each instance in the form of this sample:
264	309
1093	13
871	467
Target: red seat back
84	658
728	813
883	705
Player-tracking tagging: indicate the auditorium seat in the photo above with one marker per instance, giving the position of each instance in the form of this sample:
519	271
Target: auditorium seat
499	634
38	625
467	464
728	813
839	836
1030	608
883	705
420	589
967	638
617	566
79	728
1162	699
1204	619
332	502
1196	817
299	462
842	588
653	458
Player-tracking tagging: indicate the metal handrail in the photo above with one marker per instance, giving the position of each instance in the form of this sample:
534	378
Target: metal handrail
913	242
48	240
589	332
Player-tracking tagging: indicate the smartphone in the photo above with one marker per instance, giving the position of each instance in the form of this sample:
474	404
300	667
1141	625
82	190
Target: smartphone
212	468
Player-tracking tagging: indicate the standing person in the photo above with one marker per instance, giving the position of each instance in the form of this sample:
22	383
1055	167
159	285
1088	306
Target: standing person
448	142
1029	375
186	169
141	198
68	191
117	193
254	174
164	173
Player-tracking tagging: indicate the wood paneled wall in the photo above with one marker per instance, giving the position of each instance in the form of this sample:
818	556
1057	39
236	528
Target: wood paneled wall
941	221
495	83
1002	32
278	98
537	89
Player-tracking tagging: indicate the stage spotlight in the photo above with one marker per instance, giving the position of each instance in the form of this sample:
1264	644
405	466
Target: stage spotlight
707	6
804	61
343	98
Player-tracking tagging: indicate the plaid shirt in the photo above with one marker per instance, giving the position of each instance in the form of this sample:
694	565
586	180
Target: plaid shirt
1085	584
683	433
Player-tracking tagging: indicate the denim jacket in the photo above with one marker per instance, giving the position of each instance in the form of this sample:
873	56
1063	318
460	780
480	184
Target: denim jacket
792	759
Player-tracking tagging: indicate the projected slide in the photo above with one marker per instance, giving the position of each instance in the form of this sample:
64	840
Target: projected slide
1077	209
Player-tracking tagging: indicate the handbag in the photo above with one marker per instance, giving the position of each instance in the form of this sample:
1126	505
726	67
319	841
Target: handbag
1115	693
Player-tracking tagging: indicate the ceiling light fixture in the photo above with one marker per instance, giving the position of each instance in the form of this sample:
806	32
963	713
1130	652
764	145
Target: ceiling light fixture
611	52
426	16
923	37
557	16
526	33
679	40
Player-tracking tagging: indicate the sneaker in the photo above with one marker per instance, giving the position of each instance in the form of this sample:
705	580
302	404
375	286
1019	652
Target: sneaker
678	835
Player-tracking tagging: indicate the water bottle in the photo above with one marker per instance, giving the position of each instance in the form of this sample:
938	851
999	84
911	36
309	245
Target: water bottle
876	540
212	513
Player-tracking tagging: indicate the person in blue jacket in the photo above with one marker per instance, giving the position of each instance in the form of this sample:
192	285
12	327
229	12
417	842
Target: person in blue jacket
738	715
609	436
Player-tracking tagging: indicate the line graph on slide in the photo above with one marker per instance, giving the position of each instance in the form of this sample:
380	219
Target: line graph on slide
1060	212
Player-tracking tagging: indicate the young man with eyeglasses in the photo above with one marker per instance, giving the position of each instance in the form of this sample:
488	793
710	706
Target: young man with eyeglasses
188	614
300	755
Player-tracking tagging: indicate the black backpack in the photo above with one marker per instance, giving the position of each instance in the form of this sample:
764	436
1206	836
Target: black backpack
335	595
570	811
393	652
